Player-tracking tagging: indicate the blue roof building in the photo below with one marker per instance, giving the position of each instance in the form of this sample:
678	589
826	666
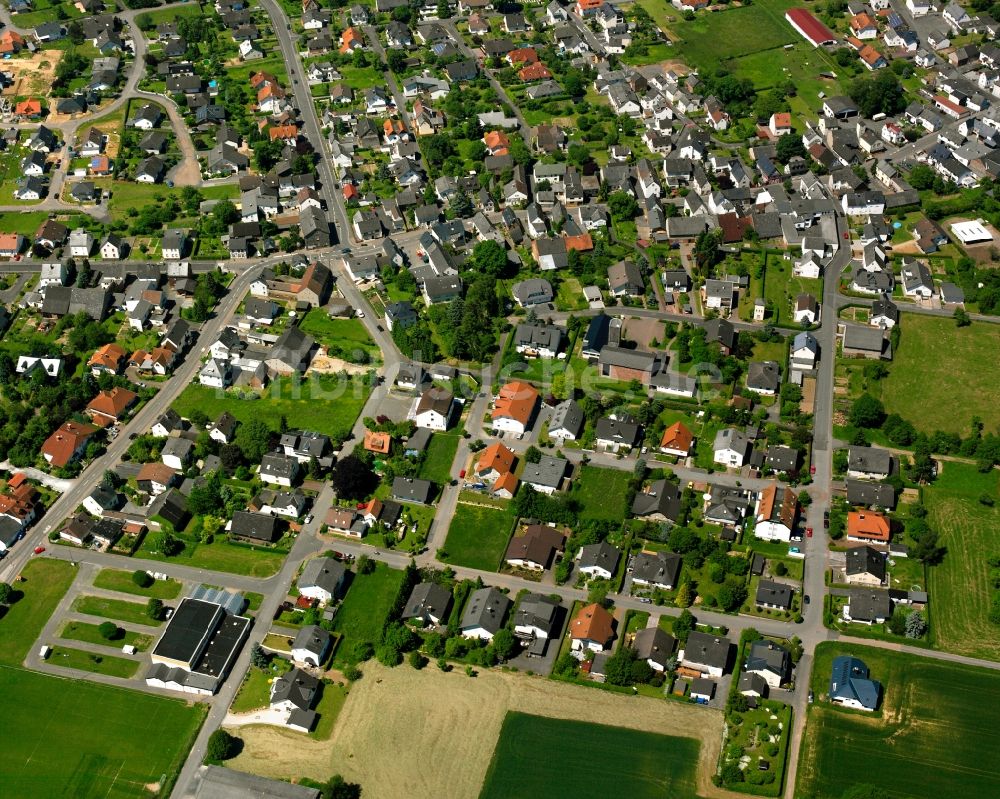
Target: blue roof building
850	685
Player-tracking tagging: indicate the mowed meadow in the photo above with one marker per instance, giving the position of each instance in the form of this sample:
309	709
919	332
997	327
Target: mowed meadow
932	737
961	590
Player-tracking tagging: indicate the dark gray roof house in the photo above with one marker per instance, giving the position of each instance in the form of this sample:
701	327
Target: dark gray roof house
534	291
780	458
428	603
600	557
869	605
485	612
322	573
764	377
260	527
869	461
708	651
864	562
567	420
660	500
657	569
311	644
871	494
773	595
767	656
654	646
409	489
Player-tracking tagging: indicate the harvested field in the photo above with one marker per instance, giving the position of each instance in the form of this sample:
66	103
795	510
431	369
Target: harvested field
372	744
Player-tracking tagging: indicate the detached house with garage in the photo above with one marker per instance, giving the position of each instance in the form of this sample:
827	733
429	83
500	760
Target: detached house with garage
322	579
708	654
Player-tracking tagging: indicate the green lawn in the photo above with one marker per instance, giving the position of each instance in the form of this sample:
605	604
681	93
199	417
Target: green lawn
582	759
45	583
89	633
24	222
781	288
222	556
602	493
331	700
710	39
933	736
478	536
70	658
942	375
323	403
440	455
118	580
255	690
960	587
117	609
339	335
120	740
364	609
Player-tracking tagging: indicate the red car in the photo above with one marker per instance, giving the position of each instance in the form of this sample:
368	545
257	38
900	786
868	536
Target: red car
812	469
39	550
461	474
809	532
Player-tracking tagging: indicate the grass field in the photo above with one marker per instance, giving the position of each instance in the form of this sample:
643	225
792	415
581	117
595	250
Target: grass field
118	580
363	611
942	375
122	741
935	714
340	334
85	631
440	454
322	403
960	587
781	288
631	763
221	556
710	39
116	609
45	583
478	536
602	493
81	660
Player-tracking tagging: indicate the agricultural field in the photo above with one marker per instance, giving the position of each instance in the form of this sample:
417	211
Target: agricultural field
477	537
124	743
364	609
942	375
936	714
602	493
385	707
635	764
324	403
45	583
960	586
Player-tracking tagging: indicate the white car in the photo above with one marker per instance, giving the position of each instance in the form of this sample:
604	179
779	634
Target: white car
361	314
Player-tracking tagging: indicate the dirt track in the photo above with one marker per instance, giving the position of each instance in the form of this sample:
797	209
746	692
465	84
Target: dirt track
429	734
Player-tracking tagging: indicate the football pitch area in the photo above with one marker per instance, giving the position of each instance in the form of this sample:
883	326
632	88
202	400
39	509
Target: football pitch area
932	737
548	758
78	739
